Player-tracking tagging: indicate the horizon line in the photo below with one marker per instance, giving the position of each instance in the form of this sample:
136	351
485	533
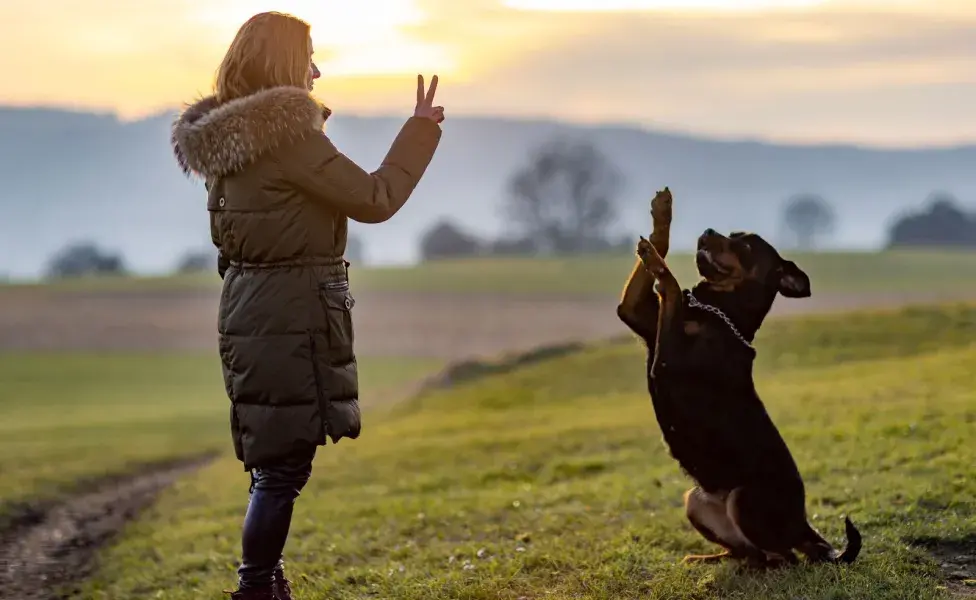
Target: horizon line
661	129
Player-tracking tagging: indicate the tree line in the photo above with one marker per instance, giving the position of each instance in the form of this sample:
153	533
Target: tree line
87	258
565	199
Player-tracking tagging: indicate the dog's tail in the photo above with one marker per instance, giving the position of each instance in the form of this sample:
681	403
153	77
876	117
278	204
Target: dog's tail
819	549
853	543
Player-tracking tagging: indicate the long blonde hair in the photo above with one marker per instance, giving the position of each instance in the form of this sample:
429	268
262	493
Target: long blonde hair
271	49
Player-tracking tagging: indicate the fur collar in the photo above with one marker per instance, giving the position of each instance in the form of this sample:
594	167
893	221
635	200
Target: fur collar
213	140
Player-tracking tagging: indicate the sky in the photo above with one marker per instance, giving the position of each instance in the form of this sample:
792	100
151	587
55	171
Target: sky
875	72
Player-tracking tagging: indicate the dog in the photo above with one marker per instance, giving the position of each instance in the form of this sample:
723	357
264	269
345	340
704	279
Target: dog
749	496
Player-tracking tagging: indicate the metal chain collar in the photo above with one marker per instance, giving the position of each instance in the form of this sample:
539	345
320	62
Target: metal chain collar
694	303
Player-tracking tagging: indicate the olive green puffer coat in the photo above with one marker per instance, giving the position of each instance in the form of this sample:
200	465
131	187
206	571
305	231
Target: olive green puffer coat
280	194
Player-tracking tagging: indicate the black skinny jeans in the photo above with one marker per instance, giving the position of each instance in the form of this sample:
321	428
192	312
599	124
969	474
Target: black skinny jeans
273	493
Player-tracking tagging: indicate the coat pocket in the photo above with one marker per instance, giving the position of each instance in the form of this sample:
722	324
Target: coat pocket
338	388
338	304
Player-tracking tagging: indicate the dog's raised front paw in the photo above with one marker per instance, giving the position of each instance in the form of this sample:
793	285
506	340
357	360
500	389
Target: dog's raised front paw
650	258
643	247
661	208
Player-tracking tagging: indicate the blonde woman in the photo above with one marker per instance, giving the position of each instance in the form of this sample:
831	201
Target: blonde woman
280	196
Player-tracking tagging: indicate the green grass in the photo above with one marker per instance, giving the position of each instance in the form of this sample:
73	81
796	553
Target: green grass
68	418
551	482
870	272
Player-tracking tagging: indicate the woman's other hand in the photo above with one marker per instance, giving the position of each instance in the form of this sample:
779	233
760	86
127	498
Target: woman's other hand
425	101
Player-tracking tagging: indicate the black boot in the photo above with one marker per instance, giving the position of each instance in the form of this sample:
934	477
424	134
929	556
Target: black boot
282	587
253	594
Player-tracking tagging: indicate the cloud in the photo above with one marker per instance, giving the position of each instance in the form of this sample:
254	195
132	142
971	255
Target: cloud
659	5
891	71
104	53
885	75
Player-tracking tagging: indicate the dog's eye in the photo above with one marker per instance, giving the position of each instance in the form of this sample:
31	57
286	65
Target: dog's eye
741	244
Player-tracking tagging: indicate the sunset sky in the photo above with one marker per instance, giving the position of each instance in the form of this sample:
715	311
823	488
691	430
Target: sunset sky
892	72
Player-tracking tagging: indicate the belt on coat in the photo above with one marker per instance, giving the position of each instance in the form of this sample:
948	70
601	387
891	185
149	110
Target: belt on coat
332	265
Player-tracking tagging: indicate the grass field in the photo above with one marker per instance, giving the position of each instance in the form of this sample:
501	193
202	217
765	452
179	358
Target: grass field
831	272
551	482
68	418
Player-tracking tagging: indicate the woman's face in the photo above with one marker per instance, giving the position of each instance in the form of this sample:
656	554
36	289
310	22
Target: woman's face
313	71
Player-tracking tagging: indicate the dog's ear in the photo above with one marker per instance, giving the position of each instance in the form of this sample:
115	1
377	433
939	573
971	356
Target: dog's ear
793	282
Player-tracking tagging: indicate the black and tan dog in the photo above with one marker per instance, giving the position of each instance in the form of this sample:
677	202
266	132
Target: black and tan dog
750	497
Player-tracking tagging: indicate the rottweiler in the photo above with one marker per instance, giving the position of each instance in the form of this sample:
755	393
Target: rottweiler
750	498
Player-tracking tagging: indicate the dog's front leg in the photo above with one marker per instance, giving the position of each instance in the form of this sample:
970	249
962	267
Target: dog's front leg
670	327
638	308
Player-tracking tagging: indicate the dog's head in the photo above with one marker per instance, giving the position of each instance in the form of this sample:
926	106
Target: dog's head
743	261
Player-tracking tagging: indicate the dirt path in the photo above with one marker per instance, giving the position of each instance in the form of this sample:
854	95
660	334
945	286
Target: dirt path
446	326
957	558
43	555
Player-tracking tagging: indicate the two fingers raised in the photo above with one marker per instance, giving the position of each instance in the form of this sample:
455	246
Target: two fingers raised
426	99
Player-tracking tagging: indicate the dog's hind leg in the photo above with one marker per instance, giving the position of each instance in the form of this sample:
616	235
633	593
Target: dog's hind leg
638	307
768	521
708	515
709	558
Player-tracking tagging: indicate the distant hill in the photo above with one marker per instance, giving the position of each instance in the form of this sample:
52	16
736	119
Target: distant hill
68	175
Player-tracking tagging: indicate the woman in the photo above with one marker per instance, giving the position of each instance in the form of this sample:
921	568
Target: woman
280	195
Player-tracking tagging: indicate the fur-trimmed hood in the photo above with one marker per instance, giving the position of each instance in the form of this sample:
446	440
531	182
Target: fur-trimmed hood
213	140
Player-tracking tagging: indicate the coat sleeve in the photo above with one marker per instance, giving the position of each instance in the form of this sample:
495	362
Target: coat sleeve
322	171
222	261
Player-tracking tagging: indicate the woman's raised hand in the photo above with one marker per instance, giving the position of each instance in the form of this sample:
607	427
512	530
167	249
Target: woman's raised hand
425	101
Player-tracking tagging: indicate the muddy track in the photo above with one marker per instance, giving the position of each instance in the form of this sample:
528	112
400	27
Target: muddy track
957	558
47	550
448	326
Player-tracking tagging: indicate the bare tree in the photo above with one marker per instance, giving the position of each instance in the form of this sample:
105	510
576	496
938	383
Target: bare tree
809	217
564	199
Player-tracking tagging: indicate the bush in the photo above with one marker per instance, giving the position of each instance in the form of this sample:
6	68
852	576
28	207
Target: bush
80	259
447	240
